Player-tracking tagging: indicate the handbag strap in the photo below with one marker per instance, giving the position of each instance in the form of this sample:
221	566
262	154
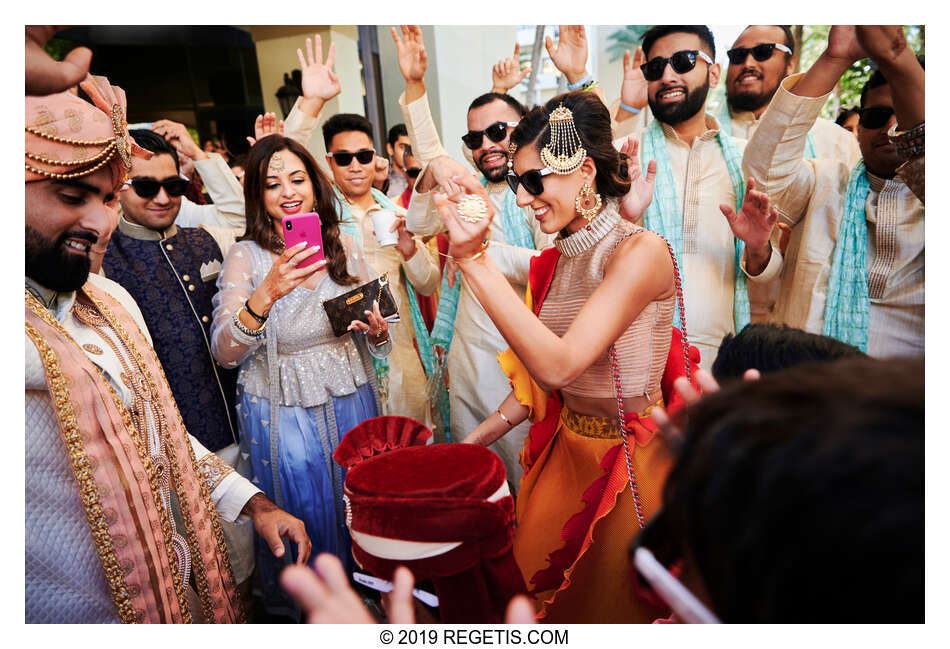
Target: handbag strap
612	352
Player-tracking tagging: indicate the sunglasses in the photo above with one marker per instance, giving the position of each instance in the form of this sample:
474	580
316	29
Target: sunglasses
875	117
530	180
496	133
149	187
681	62
363	156
413	172
761	52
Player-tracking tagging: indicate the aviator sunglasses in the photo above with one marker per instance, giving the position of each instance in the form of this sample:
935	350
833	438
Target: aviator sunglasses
344	158
149	187
681	62
531	181
874	117
496	133
761	52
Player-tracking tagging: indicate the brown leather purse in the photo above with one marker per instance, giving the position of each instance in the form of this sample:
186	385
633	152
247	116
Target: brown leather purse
344	309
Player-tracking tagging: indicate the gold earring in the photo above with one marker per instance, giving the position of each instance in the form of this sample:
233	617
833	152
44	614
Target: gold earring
588	203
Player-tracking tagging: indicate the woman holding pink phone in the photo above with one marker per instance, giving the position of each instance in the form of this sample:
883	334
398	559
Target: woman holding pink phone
300	388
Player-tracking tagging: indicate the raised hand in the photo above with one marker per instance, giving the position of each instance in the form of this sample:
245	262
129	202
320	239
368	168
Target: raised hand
755	221
638	198
507	73
178	136
633	90
411	52
264	125
318	80
843	44
570	55
45	76
380	171
465	239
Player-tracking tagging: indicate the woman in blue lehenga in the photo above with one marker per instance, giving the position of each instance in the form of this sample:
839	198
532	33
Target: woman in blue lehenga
295	375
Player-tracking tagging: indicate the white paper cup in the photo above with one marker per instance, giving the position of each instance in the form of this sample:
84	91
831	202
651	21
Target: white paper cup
382	222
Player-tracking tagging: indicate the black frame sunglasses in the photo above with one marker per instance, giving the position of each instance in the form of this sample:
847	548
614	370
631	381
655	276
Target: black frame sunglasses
681	62
143	187
344	158
874	117
761	52
531	180
496	133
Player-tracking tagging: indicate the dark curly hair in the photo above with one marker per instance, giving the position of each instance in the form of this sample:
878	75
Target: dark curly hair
260	228
593	126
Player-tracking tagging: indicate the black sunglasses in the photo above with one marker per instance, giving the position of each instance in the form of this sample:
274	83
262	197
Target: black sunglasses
413	172
761	52
874	117
681	62
531	180
149	187
496	133
363	156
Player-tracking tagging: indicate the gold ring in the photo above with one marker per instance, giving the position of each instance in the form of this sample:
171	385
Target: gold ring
472	209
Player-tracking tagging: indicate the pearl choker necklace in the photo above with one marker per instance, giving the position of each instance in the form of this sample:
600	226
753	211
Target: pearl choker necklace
589	235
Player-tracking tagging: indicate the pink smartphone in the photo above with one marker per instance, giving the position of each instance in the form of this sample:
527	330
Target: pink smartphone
304	227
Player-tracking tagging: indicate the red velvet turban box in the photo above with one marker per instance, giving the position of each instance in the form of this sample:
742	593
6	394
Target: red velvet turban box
444	511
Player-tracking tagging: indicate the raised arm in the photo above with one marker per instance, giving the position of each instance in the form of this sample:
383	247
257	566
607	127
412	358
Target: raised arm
319	84
570	55
553	361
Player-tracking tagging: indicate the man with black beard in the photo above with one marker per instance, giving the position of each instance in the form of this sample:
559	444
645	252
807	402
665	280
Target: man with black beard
462	327
759	60
699	179
107	454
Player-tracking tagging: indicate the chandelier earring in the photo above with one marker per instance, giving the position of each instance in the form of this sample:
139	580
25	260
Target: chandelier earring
588	203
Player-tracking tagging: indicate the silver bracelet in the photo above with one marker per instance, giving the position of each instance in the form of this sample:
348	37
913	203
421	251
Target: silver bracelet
250	333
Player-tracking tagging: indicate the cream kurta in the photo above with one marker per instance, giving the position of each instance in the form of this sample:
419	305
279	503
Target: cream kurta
407	380
831	141
477	386
65	582
810	196
708	267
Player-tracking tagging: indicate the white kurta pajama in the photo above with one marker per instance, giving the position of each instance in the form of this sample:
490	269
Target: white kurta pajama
810	196
477	386
65	582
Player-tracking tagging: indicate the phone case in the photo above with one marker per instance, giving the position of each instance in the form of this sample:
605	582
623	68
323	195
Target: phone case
304	227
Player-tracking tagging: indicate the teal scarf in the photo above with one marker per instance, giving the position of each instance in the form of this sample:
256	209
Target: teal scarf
518	233
665	214
847	307
724	117
349	226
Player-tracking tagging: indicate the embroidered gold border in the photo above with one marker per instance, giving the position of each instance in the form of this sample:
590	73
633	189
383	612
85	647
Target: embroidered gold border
47	317
198	565
88	491
213	470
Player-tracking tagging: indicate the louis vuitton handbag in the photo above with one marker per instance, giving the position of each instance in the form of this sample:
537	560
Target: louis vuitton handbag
344	309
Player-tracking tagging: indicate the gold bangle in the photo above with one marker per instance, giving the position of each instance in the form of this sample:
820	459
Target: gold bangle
478	254
504	418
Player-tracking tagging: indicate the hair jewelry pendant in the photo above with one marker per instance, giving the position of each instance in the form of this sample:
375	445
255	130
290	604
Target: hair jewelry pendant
276	163
563	154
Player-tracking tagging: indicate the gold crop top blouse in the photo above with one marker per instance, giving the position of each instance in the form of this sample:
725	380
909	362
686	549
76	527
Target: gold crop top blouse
643	348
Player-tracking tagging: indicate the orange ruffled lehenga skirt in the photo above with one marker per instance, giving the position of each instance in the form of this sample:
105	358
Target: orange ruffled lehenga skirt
576	518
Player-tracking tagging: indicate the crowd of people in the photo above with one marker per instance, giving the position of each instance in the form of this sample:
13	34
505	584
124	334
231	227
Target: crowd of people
691	343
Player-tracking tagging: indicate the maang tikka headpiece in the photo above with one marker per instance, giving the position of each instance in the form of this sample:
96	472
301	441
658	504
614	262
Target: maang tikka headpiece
563	153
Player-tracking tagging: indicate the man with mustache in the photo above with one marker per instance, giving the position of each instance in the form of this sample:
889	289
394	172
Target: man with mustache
466	340
699	179
855	264
123	506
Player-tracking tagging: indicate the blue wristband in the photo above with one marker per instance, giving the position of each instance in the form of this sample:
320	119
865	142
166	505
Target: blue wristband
629	109
580	84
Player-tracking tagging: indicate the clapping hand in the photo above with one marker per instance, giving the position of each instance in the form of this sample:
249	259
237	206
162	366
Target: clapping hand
465	238
633	90
317	79
264	125
638	198
570	55
507	73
